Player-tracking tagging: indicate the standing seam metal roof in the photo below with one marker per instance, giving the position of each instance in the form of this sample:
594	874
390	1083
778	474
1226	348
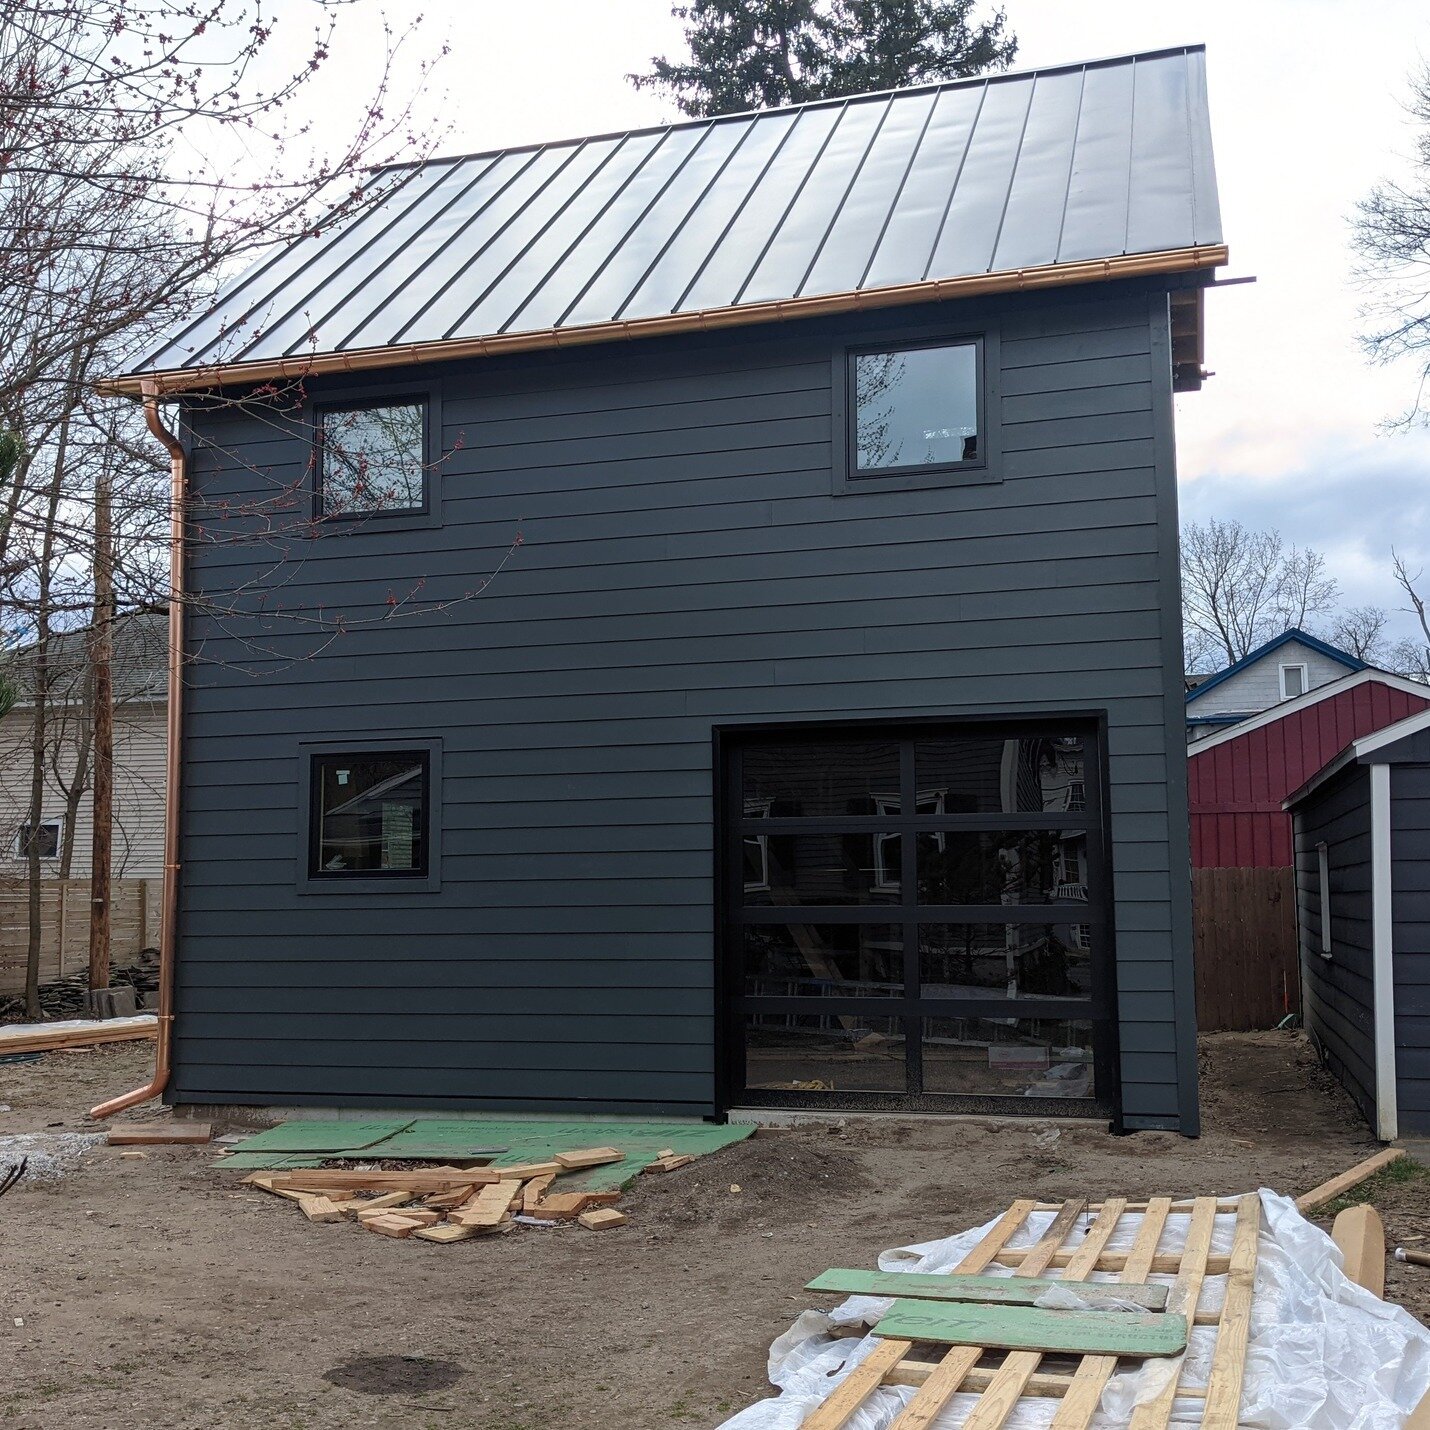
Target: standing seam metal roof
1045	167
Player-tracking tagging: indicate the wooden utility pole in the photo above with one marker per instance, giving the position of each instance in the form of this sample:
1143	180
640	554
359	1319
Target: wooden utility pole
101	671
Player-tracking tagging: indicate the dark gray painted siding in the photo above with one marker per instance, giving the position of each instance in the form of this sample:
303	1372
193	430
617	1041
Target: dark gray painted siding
1410	907
1337	991
684	565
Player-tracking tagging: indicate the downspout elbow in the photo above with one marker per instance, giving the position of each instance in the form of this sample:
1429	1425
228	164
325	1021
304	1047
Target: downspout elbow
168	923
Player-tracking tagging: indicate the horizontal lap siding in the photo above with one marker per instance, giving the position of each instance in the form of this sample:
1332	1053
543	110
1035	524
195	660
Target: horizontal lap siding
1410	907
1337	992
682	564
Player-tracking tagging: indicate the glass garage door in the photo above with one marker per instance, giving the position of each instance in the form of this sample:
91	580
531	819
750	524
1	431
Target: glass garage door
918	919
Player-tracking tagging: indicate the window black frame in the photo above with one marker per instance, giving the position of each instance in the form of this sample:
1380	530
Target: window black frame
20	850
383	746
428	396
850	479
730	917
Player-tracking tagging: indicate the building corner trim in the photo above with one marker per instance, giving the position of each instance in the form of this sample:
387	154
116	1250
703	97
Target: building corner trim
1382	954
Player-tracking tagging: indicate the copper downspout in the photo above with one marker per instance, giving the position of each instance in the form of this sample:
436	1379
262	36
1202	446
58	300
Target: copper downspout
168	922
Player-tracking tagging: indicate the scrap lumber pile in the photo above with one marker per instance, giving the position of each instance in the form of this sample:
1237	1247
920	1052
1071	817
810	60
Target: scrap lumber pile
449	1203
80	1033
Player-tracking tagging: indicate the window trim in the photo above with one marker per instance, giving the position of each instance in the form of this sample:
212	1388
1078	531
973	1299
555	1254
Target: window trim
1323	869
429	394
392	882
1305	678
17	846
849	481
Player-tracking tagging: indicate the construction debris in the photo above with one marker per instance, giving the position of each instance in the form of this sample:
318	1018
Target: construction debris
76	1033
601	1218
160	1134
1329	1191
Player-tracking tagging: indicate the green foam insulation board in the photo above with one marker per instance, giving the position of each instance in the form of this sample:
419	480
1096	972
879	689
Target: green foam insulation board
534	1139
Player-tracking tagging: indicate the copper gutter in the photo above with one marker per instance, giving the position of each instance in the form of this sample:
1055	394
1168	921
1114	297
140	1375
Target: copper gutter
1051	275
168	921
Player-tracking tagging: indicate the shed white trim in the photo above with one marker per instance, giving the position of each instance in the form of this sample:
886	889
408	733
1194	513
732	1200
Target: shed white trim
1304	702
1382	954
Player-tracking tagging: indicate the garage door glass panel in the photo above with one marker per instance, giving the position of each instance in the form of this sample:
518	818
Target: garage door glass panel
1029	866
820	1052
819	780
797	960
1005	961
1029	1057
986	776
860	868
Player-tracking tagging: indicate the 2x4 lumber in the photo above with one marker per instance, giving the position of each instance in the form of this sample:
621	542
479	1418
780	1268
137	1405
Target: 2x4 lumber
1353	1177
430	1179
45	1040
868	1375
583	1157
391	1224
489	1205
528	1170
321	1209
534	1191
1047	1385
376	1204
668	1164
1163	1263
1229	1358
178	1134
1006	1387
1156	1413
1080	1403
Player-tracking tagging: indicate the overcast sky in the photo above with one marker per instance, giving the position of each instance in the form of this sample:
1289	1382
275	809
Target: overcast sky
1307	101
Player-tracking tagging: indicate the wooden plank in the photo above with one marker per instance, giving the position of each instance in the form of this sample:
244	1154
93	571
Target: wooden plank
602	1218
163	1134
667	1164
59	1039
430	1179
384	1202
1163	1263
534	1191
1223	1401
1005	1290
321	1209
444	1232
528	1170
1360	1234
391	1224
489	1205
1089	1333
1156	1413
1353	1177
932	1397
588	1157
1080	1403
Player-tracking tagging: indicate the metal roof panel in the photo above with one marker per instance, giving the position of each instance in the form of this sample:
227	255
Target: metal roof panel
1065	165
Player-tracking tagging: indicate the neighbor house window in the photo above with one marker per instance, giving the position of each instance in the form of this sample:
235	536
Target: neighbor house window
370	815
1293	681
915	409
48	837
372	459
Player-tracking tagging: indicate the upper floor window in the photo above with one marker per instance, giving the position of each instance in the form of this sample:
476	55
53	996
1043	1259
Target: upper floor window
1293	681
372	458
46	836
915	409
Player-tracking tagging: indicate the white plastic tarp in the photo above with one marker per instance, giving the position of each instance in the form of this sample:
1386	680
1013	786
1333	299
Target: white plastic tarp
1323	1352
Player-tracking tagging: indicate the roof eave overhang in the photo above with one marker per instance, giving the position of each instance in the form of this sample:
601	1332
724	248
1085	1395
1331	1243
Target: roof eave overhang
1016	280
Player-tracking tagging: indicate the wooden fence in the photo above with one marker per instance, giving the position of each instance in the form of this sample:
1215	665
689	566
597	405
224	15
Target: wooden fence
64	926
1244	934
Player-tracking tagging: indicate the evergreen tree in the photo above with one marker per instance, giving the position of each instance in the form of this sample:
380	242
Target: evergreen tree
753	54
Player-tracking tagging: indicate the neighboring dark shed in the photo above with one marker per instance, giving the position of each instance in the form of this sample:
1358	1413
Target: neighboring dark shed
1363	909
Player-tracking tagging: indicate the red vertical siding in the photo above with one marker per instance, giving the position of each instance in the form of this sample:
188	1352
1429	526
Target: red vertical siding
1235	790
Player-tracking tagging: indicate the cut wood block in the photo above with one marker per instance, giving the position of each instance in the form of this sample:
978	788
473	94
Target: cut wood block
321	1209
429	1179
1122	1333
534	1191
133	1152
375	1204
447	1200
163	1134
444	1232
528	1170
391	1224
489	1206
602	1218
666	1152
564	1206
668	1164
1360	1234
588	1157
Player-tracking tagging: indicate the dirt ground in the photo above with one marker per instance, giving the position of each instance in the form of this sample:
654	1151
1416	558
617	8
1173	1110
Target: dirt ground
157	1292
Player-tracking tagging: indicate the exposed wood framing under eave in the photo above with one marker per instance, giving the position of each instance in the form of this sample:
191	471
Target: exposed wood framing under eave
1054	275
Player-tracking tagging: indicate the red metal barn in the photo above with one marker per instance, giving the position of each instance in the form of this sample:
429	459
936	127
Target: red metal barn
1242	856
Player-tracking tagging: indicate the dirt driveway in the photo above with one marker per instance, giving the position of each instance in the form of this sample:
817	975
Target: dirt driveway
155	1292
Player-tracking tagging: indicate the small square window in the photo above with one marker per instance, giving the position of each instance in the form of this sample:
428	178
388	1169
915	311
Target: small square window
915	409
372	459
1293	681
369	816
47	836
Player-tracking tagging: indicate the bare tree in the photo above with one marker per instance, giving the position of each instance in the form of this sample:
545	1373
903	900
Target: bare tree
1361	630
1391	235
1241	587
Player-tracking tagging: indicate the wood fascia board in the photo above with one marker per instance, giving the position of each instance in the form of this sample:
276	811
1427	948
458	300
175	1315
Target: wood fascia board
1282	709
1052	275
1382	940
